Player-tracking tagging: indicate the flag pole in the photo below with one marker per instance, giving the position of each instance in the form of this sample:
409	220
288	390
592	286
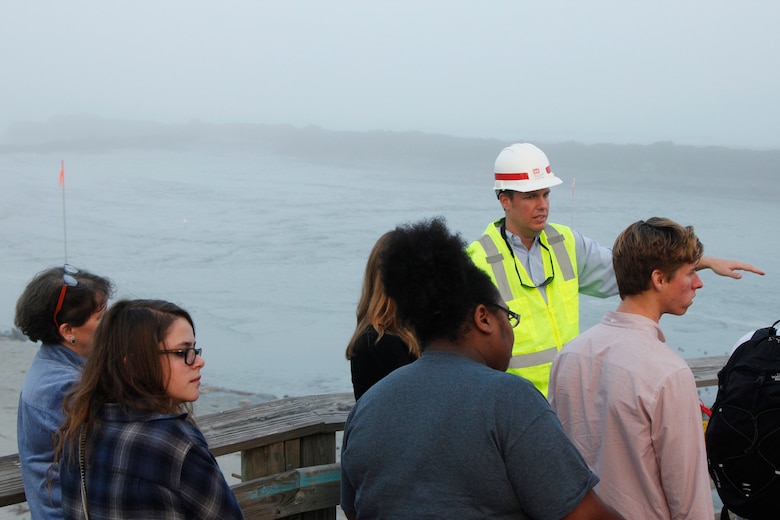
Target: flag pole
573	179
64	226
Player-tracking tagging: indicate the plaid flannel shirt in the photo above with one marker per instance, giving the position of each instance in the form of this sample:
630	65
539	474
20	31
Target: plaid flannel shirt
150	466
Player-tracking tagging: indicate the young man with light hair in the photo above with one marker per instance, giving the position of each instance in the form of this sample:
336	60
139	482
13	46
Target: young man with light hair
628	401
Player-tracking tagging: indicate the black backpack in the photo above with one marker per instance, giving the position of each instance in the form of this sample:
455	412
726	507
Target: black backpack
743	434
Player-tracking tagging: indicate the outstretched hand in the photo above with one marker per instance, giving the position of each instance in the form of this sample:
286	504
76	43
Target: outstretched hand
725	267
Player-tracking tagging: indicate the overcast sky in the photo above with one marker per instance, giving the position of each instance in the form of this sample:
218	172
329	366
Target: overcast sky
692	71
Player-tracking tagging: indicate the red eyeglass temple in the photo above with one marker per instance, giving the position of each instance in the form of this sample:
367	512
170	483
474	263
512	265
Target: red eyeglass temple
59	304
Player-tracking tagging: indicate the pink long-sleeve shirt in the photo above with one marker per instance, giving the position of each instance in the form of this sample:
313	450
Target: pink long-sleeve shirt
630	405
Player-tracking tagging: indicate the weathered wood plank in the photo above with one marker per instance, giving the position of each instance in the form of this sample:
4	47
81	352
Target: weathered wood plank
11	487
292	453
264	461
275	421
705	369
294	492
318	449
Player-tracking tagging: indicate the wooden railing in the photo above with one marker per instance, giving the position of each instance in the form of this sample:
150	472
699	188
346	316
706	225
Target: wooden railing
288	456
705	369
288	451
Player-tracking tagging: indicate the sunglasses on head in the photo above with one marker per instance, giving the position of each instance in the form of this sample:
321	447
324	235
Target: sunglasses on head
68	280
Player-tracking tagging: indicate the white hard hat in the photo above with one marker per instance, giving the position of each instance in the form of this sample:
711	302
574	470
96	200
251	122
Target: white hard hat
523	167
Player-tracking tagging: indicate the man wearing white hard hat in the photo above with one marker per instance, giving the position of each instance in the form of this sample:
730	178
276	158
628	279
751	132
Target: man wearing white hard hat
540	268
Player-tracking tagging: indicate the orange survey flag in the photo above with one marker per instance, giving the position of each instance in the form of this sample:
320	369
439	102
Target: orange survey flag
62	174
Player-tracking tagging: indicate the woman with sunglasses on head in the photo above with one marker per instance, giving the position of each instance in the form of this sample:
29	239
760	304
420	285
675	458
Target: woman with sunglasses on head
452	435
60	307
380	343
128	443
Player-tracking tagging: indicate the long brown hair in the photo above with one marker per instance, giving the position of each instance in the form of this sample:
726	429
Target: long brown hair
124	367
375	309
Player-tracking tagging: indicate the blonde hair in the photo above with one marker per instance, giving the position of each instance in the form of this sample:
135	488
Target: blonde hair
376	309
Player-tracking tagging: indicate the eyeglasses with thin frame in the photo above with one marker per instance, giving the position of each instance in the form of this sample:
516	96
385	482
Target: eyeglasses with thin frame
188	354
514	260
546	280
514	318
68	280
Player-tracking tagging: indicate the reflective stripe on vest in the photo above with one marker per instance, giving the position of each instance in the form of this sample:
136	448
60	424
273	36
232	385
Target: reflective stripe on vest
555	240
495	259
533	358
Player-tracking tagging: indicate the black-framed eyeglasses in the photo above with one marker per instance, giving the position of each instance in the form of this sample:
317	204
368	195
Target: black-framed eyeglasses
514	318
68	280
188	354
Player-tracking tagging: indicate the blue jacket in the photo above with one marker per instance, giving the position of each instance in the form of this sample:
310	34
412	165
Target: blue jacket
53	371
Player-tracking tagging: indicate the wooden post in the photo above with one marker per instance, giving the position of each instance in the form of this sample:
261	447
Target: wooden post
312	450
264	461
317	450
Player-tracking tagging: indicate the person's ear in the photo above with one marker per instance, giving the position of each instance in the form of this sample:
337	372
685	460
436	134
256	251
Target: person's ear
65	331
503	198
483	319
658	278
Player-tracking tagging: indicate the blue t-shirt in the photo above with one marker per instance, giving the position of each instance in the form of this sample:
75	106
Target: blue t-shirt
446	437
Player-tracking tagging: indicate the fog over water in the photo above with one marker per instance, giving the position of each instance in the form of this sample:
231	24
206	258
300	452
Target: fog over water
266	244
697	72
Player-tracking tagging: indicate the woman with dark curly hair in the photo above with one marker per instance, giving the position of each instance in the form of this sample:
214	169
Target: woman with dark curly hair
61	308
452	435
380	343
128	447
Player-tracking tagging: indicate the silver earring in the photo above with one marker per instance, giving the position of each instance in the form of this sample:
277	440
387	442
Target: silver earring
73	340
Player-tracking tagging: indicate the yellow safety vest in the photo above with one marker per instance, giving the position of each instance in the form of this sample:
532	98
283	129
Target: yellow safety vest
544	326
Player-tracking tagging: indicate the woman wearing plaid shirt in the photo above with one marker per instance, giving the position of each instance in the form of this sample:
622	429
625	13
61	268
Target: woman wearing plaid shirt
144	457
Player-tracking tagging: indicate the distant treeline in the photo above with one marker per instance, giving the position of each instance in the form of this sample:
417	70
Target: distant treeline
718	167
